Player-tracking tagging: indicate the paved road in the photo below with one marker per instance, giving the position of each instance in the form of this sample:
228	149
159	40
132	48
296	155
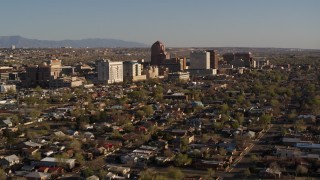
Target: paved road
243	162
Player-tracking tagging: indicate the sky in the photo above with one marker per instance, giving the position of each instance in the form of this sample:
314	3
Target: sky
177	23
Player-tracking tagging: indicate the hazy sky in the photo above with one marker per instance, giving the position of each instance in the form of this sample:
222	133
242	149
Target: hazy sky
245	23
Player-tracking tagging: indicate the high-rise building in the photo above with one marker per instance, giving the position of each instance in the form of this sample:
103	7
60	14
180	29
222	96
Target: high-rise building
158	54
228	57
175	64
132	71
42	74
199	60
109	71
214	59
246	57
55	68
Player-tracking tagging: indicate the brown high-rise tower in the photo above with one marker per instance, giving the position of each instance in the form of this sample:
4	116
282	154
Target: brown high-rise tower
214	59
158	53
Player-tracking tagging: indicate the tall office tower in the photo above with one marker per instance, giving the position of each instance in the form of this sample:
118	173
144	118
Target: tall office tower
245	56
37	75
200	60
109	72
158	53
214	59
228	57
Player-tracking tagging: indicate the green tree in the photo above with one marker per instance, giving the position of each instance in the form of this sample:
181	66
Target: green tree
182	160
3	174
80	159
37	156
102	174
247	172
148	110
87	172
301	170
299	125
34	114
222	151
140	114
265	120
174	173
147	175
160	177
75	144
116	134
224	108
210	173
239	117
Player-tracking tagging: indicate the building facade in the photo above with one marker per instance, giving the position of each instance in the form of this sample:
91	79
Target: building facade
179	76
200	60
175	64
214	59
109	71
158	54
132	71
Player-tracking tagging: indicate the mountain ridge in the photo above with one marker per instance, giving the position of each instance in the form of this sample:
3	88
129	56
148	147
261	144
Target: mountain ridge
22	42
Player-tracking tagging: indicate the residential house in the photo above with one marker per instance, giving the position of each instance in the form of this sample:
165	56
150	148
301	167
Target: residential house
8	161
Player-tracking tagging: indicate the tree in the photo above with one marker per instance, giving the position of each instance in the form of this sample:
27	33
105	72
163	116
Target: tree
148	110
174	173
210	173
239	117
116	134
87	172
3	174
37	156
224	108
301	170
182	160
222	151
61	159
247	172
128	127
146	174
34	114
79	157
75	144
160	177
265	120
299	125
140	114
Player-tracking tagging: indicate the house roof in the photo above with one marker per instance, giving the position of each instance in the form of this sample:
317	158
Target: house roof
32	144
7	121
12	158
37	175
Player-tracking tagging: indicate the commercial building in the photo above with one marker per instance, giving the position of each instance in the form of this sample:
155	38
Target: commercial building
109	71
65	82
199	60
179	76
7	87
175	64
214	59
132	71
152	72
158	54
42	74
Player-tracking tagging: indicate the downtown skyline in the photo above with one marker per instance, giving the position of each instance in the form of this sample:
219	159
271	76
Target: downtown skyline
247	23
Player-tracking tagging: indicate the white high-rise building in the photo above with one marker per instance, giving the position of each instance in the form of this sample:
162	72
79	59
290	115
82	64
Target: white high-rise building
199	60
109	71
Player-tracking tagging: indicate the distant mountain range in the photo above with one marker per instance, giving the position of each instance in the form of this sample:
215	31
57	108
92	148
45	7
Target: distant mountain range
21	42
